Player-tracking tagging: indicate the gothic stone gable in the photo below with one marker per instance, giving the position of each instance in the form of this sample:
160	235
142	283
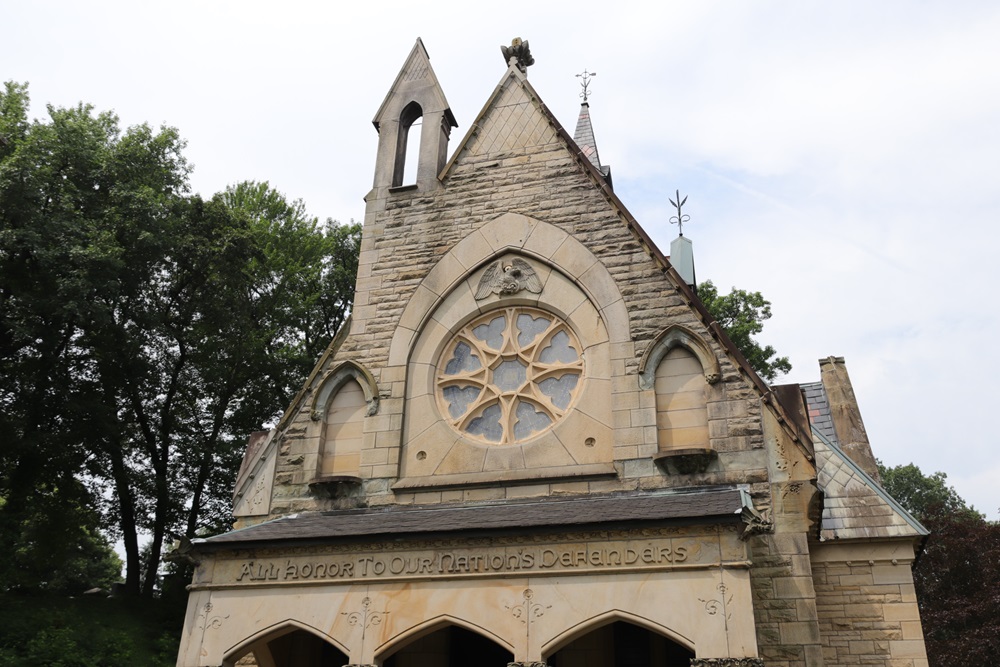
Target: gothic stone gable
517	337
517	188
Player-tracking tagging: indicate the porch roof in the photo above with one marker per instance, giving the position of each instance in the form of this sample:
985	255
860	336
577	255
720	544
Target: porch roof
707	506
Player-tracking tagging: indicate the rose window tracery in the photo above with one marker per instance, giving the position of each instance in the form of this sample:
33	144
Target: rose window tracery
509	375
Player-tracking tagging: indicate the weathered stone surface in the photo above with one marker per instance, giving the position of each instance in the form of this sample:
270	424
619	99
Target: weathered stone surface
517	193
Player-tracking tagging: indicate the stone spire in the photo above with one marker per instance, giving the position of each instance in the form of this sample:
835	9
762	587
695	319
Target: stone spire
584	135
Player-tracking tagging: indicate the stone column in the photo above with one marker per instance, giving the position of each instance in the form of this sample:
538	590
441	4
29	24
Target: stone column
727	662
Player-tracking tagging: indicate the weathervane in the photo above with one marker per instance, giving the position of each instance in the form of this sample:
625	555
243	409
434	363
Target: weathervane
680	218
585	78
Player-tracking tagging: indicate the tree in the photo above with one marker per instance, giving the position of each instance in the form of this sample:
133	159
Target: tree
146	332
957	574
742	315
924	496
56	546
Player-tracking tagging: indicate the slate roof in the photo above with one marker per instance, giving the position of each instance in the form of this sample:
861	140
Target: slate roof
818	407
584	137
401	520
855	506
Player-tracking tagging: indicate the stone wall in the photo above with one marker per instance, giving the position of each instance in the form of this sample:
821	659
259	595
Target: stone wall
867	607
784	601
408	232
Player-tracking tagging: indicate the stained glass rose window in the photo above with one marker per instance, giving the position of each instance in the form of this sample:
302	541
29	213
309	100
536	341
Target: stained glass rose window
509	375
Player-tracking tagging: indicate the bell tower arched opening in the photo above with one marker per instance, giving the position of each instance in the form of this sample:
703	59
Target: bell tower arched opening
408	145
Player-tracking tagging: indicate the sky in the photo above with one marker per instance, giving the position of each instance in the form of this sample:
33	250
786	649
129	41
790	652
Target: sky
841	158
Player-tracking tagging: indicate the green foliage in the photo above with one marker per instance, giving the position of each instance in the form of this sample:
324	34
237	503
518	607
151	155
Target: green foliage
66	632
924	496
742	315
54	545
144	332
957	575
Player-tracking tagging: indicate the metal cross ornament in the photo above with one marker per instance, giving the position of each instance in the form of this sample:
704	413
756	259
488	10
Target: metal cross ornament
680	218
585	78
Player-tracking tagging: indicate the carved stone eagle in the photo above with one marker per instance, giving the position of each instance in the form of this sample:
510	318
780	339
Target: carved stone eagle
518	53
507	278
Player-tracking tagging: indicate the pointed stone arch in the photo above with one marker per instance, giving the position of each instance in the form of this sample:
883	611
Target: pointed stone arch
345	397
335	379
678	368
570	634
673	336
576	288
512	232
273	632
416	632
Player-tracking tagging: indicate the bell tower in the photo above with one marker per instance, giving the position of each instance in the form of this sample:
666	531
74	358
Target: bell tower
414	101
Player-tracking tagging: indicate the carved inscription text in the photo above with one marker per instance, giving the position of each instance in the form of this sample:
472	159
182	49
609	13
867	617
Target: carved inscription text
465	562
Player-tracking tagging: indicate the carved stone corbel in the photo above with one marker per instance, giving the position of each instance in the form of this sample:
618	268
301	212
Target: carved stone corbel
754	523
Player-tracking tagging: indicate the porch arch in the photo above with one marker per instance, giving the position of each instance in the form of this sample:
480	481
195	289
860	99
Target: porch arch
263	638
430	626
566	637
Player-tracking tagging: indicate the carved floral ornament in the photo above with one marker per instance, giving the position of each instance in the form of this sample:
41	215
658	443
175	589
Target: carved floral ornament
509	375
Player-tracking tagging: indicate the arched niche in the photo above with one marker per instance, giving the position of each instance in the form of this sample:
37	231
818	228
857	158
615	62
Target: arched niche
333	381
677	336
289	643
345	397
679	367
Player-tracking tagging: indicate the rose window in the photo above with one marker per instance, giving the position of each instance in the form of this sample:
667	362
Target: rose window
509	375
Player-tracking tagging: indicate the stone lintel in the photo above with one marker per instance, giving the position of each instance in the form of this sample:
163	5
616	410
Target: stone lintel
727	662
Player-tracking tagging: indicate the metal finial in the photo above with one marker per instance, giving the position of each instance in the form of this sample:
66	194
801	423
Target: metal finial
680	218
585	78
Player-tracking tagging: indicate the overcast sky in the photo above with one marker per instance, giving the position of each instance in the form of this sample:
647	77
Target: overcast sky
840	157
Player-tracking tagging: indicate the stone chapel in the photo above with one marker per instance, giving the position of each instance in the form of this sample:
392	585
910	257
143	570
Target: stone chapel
531	444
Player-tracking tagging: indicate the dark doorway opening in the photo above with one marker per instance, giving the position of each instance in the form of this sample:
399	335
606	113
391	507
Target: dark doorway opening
295	649
621	644
451	646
